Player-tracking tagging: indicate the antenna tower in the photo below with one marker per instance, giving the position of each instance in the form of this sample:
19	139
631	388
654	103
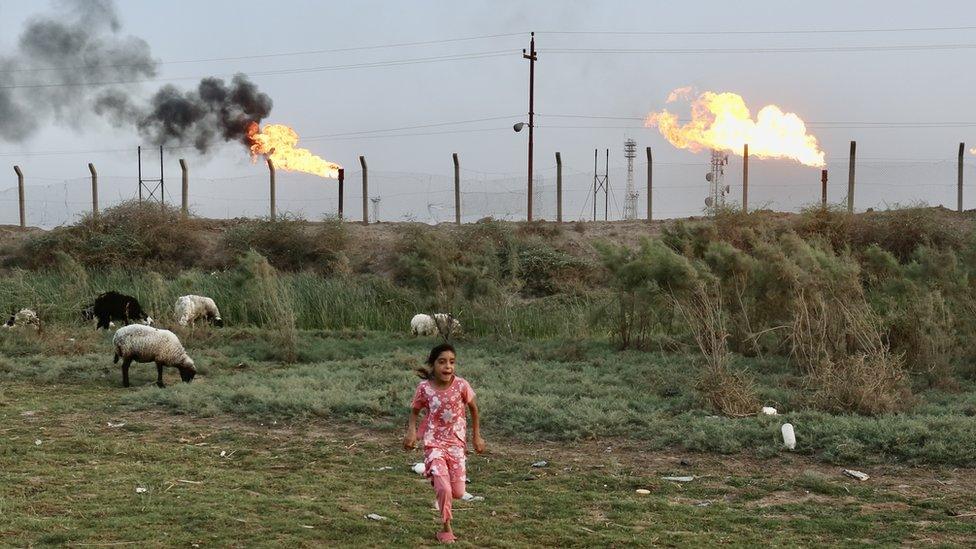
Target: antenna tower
630	201
151	186
601	183
715	176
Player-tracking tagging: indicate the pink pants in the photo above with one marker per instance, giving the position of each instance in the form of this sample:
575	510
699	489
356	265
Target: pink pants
447	474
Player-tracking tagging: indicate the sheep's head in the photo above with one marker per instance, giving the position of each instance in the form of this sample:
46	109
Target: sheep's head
218	322
187	369
148	321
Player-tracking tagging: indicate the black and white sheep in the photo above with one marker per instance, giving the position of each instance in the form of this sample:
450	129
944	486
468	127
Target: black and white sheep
427	325
190	308
23	317
112	305
141	343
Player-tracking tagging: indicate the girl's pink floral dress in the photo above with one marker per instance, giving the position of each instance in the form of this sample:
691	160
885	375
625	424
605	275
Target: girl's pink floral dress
444	429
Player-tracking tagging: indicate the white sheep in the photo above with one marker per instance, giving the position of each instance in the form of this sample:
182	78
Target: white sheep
427	325
23	317
190	308
140	343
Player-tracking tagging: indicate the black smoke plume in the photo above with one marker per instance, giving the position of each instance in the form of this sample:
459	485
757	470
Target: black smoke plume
76	62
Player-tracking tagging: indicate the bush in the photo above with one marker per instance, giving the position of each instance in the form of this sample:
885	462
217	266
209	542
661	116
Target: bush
130	234
289	244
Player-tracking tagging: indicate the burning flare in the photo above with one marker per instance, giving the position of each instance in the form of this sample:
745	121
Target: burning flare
973	150
277	142
721	121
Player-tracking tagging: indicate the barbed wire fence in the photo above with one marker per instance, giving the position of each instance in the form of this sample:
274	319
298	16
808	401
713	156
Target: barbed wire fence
679	189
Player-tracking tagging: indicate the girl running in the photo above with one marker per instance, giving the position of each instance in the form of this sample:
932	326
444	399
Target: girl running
443	430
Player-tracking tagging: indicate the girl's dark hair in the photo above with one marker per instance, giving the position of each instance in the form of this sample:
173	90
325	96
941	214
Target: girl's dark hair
427	371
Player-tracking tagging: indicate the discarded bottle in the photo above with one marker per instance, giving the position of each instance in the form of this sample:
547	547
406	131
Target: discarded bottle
789	437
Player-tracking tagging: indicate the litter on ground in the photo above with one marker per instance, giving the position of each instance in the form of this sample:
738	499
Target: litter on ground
469	497
385	468
115	425
374	516
856	474
789	437
769	411
643	491
140	490
679	479
542	463
418	468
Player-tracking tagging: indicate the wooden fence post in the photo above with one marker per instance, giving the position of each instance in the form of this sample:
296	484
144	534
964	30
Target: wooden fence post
745	178
362	162
20	194
962	150
457	189
342	181
185	203
650	171
271	172
94	176
850	178
559	188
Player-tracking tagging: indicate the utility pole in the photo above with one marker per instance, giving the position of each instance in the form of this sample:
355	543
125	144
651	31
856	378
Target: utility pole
185	202
531	56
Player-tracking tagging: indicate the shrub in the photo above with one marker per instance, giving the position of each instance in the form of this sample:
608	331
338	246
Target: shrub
289	243
864	383
130	234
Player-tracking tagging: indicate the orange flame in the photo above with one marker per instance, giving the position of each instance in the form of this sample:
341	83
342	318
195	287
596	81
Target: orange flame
277	142
973	150
722	121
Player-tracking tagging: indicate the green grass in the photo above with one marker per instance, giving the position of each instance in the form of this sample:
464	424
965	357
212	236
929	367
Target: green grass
311	483
529	391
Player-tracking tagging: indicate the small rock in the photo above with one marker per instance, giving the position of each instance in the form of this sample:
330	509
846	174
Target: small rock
37	442
542	463
679	479
856	474
141	490
685	462
769	411
374	516
643	491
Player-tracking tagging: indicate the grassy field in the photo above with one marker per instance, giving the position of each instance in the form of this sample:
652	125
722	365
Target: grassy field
306	446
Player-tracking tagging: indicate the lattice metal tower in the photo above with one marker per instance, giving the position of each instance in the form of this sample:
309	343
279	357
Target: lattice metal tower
715	176
630	201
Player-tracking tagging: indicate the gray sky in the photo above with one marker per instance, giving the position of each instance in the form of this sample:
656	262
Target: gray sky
837	87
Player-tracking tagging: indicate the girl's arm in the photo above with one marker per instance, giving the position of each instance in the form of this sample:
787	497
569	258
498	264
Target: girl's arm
479	443
410	440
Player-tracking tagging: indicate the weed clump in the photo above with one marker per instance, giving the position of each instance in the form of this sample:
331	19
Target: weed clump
289	243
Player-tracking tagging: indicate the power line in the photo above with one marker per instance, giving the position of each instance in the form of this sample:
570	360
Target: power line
761	32
818	49
298	70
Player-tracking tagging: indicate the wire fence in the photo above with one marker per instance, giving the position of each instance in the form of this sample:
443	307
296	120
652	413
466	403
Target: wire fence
679	190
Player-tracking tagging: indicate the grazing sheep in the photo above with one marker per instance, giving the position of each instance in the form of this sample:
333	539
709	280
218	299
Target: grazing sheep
427	325
147	344
422	325
23	317
191	308
112	305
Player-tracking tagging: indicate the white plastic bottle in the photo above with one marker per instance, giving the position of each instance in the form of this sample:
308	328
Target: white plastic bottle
789	437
